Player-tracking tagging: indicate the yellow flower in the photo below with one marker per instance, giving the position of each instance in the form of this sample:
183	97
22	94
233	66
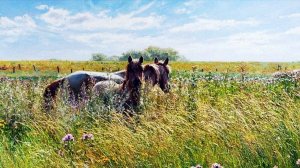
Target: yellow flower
105	159
2	123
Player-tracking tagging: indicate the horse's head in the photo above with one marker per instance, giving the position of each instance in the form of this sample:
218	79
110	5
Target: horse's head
164	71
158	73
134	72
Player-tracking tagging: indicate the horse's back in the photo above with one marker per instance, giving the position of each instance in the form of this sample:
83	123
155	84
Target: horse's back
121	73
76	79
103	76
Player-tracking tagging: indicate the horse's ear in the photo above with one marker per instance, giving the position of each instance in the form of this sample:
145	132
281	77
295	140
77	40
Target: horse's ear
155	60
129	59
166	61
141	59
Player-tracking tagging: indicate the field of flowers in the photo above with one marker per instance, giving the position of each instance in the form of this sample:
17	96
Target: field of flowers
234	114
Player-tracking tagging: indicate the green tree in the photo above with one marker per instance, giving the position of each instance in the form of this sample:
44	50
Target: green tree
163	53
151	52
135	55
113	58
99	57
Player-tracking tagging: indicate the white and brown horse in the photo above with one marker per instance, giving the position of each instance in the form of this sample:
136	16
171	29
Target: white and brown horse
77	83
158	73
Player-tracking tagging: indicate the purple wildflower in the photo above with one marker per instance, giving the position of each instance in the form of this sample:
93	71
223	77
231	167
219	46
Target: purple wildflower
87	136
68	137
216	165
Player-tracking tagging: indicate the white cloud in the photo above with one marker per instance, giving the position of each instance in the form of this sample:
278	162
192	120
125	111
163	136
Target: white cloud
293	15
63	19
55	17
256	38
293	31
182	11
11	29
101	38
246	46
188	7
142	9
79	34
193	3
42	7
201	24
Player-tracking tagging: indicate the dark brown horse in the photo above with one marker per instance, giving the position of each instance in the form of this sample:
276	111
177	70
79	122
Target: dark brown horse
129	90
158	73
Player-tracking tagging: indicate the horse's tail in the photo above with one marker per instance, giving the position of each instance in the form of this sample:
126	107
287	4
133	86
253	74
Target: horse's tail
50	93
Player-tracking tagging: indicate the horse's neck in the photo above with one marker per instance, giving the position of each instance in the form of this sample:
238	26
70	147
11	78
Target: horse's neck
126	89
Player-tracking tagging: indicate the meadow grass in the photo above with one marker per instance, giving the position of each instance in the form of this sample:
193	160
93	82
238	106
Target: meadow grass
206	118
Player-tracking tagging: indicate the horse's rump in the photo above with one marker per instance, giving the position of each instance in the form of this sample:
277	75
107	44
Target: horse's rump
51	91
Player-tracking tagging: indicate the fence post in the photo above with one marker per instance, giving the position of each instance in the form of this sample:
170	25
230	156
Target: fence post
242	69
34	67
278	67
57	69
14	69
102	68
194	68
71	70
19	65
243	73
83	68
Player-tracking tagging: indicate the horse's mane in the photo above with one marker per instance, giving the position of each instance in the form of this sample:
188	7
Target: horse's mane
125	78
168	68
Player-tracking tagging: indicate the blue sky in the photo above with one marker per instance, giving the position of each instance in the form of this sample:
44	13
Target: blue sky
201	30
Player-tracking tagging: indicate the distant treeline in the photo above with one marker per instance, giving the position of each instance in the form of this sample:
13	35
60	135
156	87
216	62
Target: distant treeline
149	54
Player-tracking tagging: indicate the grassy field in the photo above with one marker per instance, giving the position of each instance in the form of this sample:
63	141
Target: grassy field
231	113
50	67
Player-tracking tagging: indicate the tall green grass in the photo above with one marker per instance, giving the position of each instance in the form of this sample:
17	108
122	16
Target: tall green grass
234	123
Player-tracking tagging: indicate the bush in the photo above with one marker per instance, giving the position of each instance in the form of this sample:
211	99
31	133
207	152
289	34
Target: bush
99	57
151	52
